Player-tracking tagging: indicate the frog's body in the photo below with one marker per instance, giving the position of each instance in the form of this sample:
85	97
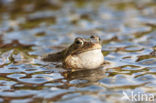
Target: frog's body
82	54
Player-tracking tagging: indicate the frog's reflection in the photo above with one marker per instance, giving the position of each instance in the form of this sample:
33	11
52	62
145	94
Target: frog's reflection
90	76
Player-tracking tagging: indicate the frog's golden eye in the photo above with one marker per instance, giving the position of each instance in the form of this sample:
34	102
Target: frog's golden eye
79	41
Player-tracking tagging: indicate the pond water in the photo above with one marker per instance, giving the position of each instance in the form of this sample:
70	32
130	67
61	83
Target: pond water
32	28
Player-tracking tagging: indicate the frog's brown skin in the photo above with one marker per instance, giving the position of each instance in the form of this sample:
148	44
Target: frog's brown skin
82	54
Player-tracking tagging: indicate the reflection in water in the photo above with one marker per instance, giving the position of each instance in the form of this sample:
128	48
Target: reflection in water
31	28
87	77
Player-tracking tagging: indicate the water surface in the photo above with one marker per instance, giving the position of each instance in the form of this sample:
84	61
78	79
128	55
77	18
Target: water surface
32	28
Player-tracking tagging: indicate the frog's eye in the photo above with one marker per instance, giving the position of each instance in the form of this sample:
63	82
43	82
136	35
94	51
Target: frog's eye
79	42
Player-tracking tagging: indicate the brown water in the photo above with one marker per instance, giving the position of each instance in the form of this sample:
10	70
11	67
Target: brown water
32	28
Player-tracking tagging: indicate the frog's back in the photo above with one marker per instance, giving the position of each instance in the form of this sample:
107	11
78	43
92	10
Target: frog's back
54	57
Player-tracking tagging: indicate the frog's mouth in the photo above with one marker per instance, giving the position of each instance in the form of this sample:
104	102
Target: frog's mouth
88	46
91	46
87	50
83	51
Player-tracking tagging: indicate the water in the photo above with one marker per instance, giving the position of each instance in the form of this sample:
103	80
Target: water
30	29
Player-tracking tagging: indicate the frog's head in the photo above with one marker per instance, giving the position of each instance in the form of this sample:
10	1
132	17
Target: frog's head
84	53
81	45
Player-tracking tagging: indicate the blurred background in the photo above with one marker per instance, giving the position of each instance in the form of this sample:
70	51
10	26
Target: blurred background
32	28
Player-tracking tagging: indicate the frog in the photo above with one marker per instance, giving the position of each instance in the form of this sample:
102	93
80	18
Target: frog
81	54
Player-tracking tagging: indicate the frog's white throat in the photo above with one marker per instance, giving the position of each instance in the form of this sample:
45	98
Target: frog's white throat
89	59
